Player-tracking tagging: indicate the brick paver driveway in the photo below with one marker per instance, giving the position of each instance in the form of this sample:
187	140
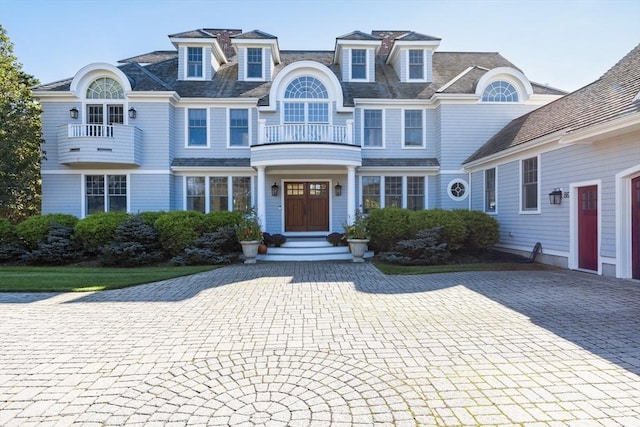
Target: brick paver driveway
326	344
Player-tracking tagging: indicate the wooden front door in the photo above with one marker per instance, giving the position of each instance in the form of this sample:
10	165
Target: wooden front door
635	228
588	228
306	206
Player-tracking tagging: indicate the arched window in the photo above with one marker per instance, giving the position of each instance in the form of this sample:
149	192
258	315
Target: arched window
105	88
311	105
500	91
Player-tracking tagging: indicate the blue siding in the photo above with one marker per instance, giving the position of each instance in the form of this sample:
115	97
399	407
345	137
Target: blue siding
149	192
53	115
62	194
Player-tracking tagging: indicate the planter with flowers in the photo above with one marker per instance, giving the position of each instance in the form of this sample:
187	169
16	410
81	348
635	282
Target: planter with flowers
249	234
357	237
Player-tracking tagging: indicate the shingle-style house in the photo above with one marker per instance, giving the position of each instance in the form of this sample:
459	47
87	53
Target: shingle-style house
228	121
567	175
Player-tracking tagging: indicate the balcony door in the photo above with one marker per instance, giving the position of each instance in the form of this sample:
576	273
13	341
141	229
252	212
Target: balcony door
306	206
100	114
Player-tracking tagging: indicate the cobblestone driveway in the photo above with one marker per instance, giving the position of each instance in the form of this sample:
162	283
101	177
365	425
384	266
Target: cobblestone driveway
326	344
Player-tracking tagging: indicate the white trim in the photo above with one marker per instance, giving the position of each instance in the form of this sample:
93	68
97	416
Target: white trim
297	162
624	249
573	260
522	211
510	75
249	140
408	171
495	190
186	129
107	171
403	145
214	170
407	77
246	65
350	67
527	249
89	73
467	189
83	190
611	128
185	63
383	130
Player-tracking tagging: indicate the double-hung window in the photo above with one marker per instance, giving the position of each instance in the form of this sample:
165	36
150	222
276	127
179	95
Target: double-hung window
392	191
197	127
105	193
238	127
413	130
372	128
358	64
194	62
370	193
225	193
530	184
195	193
415	193
490	190
416	64
241	193
254	63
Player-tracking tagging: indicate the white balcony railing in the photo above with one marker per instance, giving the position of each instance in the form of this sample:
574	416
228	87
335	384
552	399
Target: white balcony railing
305	132
89	130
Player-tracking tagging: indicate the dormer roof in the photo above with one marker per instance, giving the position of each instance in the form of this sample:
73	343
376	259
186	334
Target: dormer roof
411	39
218	38
355	38
258	37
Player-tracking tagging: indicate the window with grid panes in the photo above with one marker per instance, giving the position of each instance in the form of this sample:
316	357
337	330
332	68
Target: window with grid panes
239	127
372	128
415	193
254	62
416	64
197	118
370	193
196	193
413	128
530	184
218	193
241	193
392	191
358	64
194	62
490	190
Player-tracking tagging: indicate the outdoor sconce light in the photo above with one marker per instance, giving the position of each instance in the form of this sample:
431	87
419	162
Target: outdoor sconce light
73	113
338	189
274	190
132	113
555	197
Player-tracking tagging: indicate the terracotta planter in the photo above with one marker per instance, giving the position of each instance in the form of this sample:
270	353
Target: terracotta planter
262	249
250	250
358	247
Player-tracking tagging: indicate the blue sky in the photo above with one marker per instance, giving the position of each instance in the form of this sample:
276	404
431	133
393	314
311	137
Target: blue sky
566	44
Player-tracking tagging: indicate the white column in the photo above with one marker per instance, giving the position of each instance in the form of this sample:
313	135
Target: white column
351	194
262	205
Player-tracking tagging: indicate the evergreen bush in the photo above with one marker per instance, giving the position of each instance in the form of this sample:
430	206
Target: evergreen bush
135	243
179	229
35	229
426	248
218	247
387	226
454	231
98	229
150	217
57	248
482	230
214	220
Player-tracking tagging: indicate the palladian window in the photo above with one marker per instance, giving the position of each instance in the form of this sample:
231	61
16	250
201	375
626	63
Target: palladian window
311	101
500	91
105	88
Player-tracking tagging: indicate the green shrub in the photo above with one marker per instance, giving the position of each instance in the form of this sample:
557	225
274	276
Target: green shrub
98	229
151	217
387	226
7	230
426	248
453	229
135	243
219	247
35	229
483	231
57	248
214	220
179	229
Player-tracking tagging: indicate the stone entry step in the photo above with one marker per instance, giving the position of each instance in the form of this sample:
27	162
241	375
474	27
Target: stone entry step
308	249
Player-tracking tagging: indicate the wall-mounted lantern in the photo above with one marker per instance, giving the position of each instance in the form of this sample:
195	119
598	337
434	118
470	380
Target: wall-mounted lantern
555	197
73	113
132	113
338	189
275	189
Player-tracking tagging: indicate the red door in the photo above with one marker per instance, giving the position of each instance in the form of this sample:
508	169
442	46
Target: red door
588	228
635	228
306	206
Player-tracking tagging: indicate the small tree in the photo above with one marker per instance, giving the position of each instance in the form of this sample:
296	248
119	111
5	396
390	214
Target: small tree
20	138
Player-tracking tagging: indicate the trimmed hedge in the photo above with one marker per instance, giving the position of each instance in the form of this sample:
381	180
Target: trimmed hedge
98	229
7	230
151	217
454	231
387	226
483	231
36	228
218	219
179	229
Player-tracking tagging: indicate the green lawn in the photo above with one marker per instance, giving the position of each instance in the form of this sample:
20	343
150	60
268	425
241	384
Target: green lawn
453	268
83	279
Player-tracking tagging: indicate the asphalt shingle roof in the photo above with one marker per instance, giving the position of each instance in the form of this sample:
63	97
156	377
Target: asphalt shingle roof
608	98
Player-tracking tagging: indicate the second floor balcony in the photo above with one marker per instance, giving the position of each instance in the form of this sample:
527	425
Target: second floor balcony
101	144
314	133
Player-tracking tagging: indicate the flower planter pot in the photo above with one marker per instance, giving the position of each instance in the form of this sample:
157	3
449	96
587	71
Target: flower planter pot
250	250
358	247
262	249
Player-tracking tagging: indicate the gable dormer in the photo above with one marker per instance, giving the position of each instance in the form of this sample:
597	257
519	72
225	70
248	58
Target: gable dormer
258	54
356	53
202	52
411	56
